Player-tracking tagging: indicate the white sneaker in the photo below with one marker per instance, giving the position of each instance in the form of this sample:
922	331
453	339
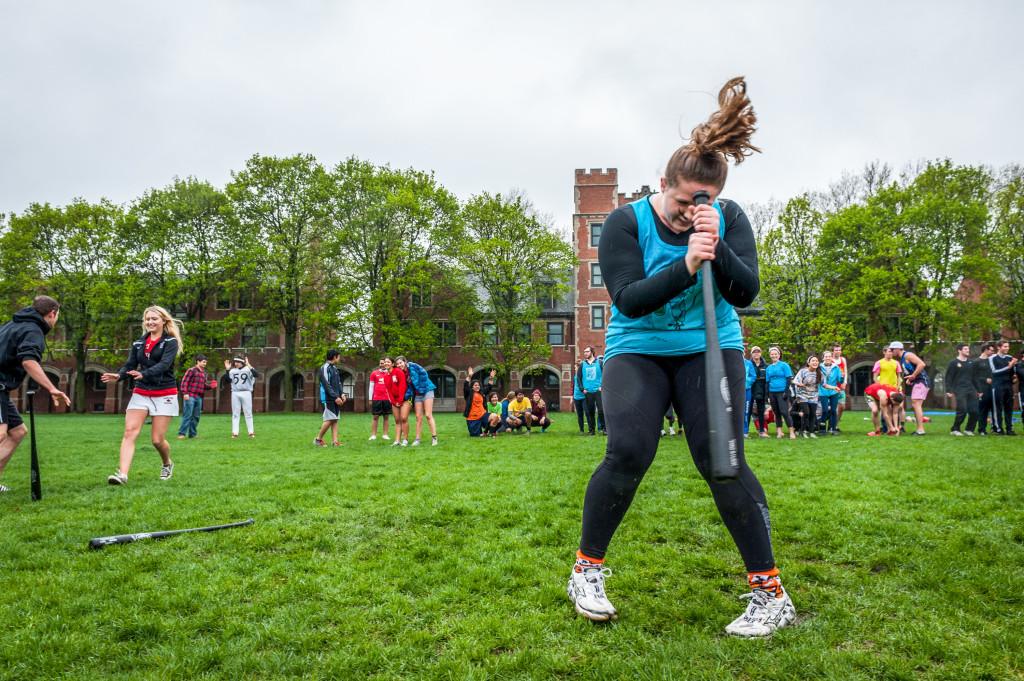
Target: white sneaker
396	443
433	441
4	489
372	438
671	430
956	433
384	437
969	433
167	471
663	432
763	616
405	443
415	443
586	591
117	478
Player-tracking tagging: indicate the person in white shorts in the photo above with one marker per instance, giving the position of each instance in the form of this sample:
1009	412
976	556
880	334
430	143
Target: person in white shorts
151	366
243	378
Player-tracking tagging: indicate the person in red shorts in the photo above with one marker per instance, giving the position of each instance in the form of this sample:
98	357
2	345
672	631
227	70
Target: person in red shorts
885	400
381	397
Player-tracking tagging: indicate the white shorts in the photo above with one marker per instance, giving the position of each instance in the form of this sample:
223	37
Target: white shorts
156	406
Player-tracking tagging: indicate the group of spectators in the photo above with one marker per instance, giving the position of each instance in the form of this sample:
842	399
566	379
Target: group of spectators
983	388
487	414
400	388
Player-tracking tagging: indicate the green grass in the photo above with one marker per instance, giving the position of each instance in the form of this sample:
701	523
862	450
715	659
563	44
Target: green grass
905	559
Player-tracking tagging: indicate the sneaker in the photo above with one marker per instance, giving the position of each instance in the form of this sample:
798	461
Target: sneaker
969	433
874	433
317	442
4	489
956	433
433	441
586	591
806	435
415	443
372	438
181	437
918	432
663	433
763	433
671	430
405	443
252	436
814	435
384	437
396	443
117	478
764	614
167	471
982	432
234	436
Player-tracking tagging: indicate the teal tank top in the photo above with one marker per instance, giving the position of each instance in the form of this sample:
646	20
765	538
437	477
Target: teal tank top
678	327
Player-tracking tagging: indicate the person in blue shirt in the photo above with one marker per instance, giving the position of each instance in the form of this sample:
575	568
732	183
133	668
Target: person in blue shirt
651	254
579	399
750	378
828	392
779	375
590	375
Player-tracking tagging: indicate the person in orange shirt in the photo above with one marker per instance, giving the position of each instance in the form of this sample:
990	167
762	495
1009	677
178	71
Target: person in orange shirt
476	411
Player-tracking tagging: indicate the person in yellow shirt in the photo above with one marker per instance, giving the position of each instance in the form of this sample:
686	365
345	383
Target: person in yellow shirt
887	370
519	414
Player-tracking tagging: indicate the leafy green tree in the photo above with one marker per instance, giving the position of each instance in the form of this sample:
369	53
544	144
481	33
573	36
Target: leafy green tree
1007	248
394	237
514	260
281	204
77	255
190	252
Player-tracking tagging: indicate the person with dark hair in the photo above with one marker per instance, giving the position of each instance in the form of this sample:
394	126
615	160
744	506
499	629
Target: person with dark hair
579	398
650	253
916	379
423	398
837	357
778	376
808	382
1002	366
519	414
401	393
150	365
758	392
590	375
475	412
194	385
983	381
539	411
22	343
495	421
1018	371
332	397
961	386
885	401
828	393
243	380
380	399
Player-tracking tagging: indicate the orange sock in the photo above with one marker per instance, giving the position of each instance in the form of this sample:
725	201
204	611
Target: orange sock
766	581
583	561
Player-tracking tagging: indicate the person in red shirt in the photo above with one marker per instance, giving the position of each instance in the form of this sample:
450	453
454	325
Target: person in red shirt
539	409
400	394
886	400
380	397
151	366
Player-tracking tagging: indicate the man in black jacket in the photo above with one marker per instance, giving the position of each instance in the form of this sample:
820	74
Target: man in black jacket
22	342
983	381
1002	365
961	385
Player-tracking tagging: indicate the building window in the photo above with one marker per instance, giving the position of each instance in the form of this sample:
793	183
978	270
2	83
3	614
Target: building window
595	233
546	300
254	336
597	317
223	300
446	334
490	331
595	275
555	333
348	384
421	297
298	387
445	383
245	298
525	332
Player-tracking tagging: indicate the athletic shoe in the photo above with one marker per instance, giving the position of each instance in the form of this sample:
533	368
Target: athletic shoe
167	471
969	433
317	442
415	443
234	436
671	430
586	591
814	435
396	443
956	433
663	432
805	435
4	489
764	614
874	433
918	432
252	436
764	433
181	437
117	478
433	441
384	437
372	438
405	443
982	433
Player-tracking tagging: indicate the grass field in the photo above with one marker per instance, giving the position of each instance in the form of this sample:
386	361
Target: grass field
905	558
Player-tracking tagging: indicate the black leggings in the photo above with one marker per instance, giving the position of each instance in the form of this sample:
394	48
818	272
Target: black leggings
780	406
637	389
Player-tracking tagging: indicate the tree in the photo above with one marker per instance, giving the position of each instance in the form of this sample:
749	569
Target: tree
190	241
281	204
395	235
1007	248
514	260
76	254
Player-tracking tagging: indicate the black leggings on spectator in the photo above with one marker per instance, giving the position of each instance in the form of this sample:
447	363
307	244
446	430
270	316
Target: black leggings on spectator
780	407
580	406
637	389
808	416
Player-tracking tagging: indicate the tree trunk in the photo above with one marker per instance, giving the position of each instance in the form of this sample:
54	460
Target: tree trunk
79	397
289	365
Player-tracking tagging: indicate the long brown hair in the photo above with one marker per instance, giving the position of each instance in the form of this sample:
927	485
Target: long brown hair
726	134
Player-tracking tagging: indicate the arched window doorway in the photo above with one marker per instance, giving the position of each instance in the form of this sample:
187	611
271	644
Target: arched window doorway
444	390
548	383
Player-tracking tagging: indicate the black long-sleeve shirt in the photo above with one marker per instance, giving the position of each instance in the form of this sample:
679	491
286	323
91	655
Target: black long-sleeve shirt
960	376
635	295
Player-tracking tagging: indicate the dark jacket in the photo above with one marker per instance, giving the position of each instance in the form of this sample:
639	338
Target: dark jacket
759	390
21	338
158	369
982	373
960	377
330	382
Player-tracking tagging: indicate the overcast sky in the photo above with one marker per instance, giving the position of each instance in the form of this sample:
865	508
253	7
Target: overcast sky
111	98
